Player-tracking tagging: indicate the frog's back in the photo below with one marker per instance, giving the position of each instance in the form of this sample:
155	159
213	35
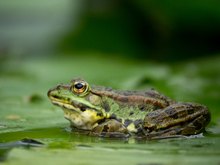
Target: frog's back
140	99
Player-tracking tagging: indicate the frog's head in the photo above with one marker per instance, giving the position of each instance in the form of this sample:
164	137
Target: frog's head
81	107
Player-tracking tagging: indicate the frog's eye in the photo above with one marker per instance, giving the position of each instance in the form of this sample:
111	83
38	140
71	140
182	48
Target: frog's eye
80	88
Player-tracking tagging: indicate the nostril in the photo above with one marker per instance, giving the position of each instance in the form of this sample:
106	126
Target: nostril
52	94
56	89
59	86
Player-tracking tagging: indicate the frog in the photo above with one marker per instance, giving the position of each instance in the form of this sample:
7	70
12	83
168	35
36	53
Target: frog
106	112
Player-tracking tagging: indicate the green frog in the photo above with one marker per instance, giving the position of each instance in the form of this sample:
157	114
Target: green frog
104	112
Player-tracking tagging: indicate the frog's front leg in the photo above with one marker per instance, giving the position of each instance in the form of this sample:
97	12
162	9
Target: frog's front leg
110	128
180	119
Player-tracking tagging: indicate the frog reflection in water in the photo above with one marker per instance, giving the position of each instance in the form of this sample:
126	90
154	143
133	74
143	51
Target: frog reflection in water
106	112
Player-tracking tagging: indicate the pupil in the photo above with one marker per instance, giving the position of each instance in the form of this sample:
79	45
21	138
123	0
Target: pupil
78	86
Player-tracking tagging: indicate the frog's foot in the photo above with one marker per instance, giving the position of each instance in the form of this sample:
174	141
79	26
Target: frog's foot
110	128
180	119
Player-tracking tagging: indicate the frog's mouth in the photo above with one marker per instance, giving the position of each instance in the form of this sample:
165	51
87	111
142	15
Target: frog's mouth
69	105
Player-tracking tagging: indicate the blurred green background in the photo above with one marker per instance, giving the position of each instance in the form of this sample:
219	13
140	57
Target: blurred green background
172	46
162	30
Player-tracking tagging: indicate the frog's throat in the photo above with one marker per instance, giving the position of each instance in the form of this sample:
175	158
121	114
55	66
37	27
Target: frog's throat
85	120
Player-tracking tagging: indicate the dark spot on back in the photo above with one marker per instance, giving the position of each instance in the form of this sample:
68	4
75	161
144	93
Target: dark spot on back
156	107
171	113
131	113
174	116
106	106
153	114
141	107
190	111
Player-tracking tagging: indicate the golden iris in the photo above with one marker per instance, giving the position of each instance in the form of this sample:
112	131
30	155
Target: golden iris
80	88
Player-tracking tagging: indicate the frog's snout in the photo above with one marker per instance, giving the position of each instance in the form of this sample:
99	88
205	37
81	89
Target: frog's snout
56	89
50	92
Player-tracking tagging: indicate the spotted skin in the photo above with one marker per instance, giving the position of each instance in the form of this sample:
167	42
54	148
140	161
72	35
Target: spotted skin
142	99
187	119
106	112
